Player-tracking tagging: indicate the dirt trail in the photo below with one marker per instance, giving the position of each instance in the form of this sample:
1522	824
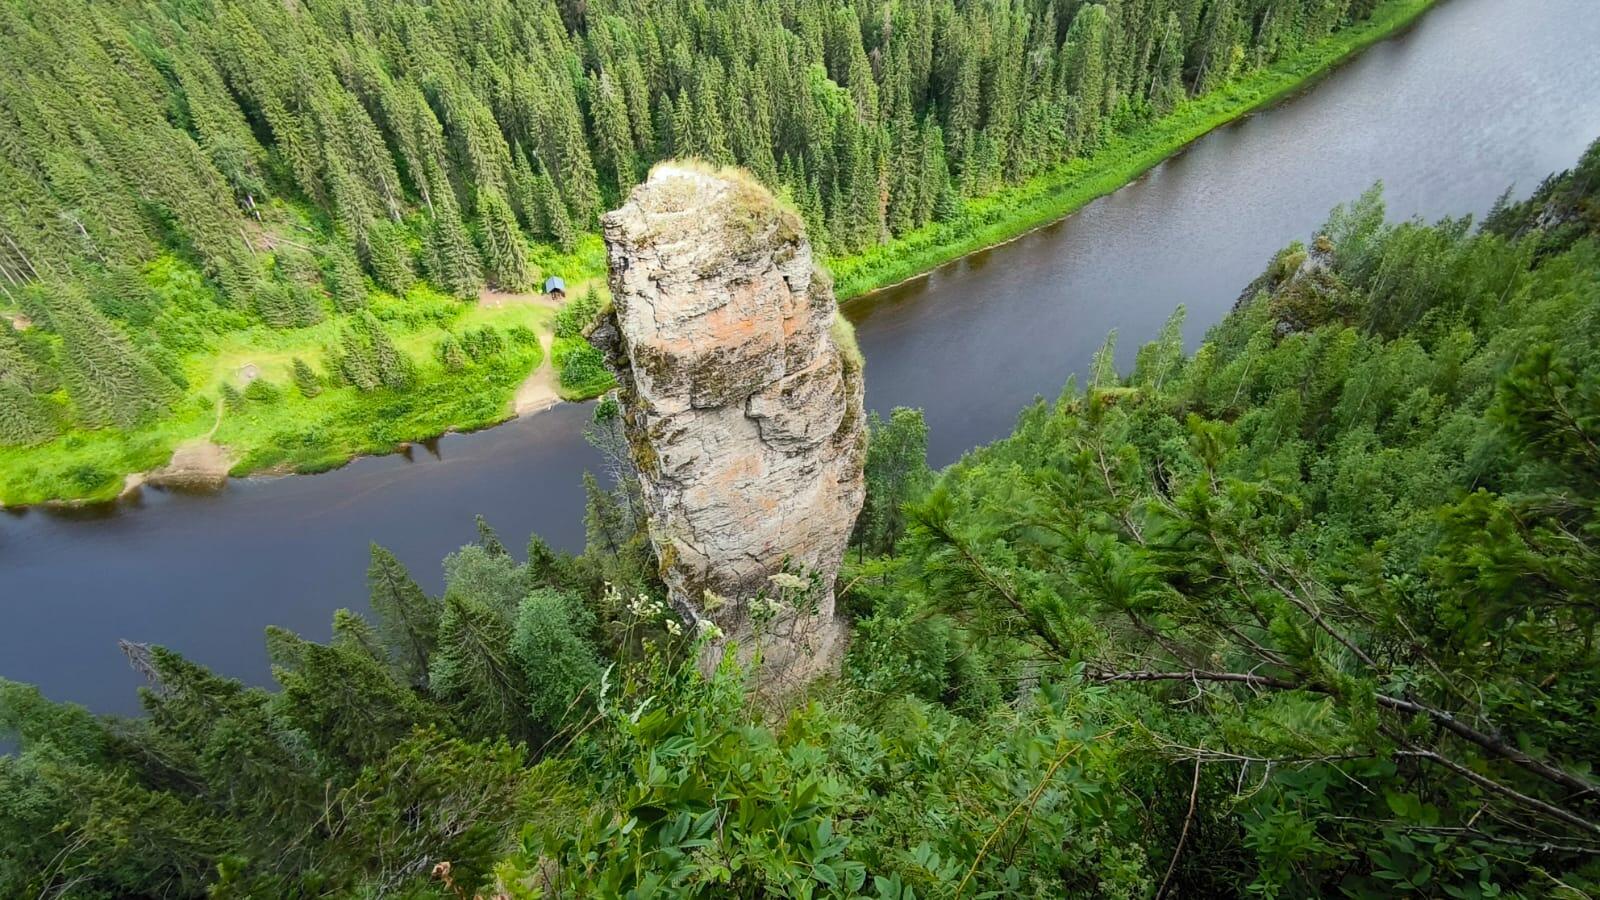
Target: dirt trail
497	299
538	392
196	463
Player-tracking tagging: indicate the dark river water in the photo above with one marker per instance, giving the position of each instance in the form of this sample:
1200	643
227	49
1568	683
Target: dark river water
1478	96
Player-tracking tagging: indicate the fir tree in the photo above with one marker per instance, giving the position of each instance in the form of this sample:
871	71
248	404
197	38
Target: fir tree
453	263
488	539
389	259
503	249
451	354
306	380
109	380
408	619
393	368
356	361
343	277
473	669
25	417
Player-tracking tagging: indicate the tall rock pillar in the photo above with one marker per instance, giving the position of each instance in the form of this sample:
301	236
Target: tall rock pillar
742	411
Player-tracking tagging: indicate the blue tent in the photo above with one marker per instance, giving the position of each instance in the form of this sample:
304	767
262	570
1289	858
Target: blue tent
553	284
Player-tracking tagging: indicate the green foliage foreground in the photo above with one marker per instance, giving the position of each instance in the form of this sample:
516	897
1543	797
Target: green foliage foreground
1310	612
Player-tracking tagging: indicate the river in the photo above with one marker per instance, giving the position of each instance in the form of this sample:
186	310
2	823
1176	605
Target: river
1478	96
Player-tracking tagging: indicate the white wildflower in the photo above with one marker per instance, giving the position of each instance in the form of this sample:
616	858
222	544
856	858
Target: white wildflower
711	601
789	582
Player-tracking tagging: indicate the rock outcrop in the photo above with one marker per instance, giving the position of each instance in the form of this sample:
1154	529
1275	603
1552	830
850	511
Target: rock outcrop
742	410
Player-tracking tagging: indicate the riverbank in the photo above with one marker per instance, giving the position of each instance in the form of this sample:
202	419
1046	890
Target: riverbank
277	429
250	413
1016	210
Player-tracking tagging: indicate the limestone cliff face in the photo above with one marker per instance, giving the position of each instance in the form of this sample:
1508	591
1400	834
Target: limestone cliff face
743	414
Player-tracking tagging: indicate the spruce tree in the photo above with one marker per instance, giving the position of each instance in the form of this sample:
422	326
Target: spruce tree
503	248
553	213
453	263
276	304
231	398
306	380
551	647
393	368
488	539
19	365
451	354
545	567
347	704
389	259
25	417
355	360
612	133
408	619
352	631
473	670
603	520
342	274
110	381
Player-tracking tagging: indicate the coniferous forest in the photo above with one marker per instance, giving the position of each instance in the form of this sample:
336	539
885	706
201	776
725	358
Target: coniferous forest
267	224
1307	612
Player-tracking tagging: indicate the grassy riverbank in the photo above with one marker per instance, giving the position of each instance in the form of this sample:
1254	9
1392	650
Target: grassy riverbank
238	375
240	389
1012	211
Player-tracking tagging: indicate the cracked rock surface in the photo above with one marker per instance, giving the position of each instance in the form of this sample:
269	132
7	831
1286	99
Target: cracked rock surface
743	415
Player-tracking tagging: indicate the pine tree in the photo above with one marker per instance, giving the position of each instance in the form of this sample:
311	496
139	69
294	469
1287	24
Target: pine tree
388	258
451	354
306	380
488	539
355	360
343	277
503	248
473	670
453	263
393	368
110	381
25	417
408	619
345	703
613	136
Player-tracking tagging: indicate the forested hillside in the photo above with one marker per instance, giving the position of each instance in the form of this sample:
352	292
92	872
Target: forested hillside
1308	612
246	219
